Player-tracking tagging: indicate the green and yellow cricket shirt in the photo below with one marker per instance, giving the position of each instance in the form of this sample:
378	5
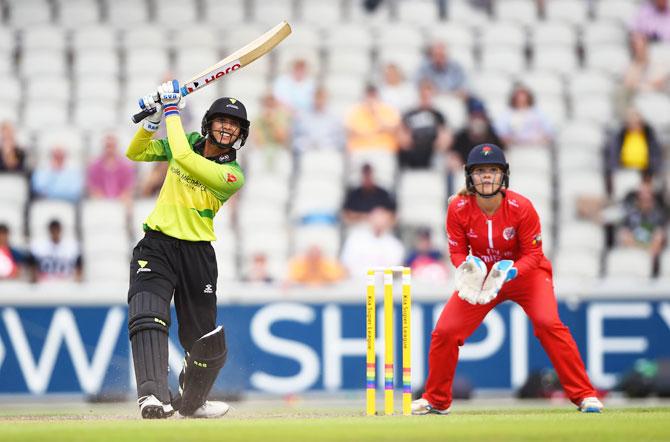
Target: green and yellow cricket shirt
195	187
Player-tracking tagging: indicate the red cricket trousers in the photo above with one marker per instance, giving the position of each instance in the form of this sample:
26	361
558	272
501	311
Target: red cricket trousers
459	319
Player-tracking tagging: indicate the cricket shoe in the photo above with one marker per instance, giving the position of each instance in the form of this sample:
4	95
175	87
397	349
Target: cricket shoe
422	406
209	410
152	408
591	405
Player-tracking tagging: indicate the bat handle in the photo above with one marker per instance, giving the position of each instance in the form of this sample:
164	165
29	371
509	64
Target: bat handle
141	115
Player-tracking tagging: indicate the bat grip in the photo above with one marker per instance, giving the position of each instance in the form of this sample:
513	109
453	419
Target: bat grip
141	115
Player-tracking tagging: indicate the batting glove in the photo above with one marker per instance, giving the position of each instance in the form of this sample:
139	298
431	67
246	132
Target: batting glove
501	272
153	121
469	278
170	96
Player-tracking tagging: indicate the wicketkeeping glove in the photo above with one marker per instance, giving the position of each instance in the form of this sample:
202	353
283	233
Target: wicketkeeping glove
500	273
469	278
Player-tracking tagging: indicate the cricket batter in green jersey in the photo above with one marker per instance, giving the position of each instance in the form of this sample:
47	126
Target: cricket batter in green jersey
176	259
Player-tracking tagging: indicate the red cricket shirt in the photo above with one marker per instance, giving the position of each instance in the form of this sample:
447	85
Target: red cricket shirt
513	232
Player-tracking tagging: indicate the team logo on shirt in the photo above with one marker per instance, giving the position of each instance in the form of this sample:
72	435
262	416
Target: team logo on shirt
537	240
231	178
471	233
512	202
508	233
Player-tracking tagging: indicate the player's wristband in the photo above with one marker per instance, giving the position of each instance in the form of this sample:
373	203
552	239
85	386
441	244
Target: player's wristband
149	126
170	109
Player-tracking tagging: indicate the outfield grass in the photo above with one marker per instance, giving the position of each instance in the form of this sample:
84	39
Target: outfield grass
546	425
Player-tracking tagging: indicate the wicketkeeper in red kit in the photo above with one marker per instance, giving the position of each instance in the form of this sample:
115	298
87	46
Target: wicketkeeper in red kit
495	243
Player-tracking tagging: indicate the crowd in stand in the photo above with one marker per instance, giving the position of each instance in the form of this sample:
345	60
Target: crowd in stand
398	112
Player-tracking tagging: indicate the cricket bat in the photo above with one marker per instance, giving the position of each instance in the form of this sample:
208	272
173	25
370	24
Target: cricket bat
238	59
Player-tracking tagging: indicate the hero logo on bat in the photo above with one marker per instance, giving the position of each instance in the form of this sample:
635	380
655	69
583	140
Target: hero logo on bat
215	75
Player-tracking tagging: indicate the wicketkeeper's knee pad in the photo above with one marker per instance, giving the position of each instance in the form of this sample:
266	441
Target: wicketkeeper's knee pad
201	367
148	326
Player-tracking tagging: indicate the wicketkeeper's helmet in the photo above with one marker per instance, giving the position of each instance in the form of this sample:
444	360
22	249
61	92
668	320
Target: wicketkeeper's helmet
486	154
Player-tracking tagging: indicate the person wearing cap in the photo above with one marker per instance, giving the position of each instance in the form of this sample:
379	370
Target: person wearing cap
495	243
175	258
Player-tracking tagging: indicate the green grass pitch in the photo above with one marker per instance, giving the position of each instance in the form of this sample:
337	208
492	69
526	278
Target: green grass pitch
546	424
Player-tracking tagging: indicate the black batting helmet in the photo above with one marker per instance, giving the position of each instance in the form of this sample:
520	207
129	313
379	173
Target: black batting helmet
227	107
486	154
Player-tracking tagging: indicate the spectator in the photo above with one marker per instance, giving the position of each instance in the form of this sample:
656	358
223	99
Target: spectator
634	146
643	74
373	245
360	201
11	258
523	123
427	262
295	90
372	124
258	269
111	175
272	128
395	90
58	180
644	221
12	156
446	74
423	131
652	21
318	128
314	269
54	258
478	130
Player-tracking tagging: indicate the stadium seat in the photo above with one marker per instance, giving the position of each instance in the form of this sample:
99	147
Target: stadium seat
142	207
73	14
326	237
107	243
263	11
621	10
547	34
508	60
410	60
581	236
420	185
629	263
583	134
287	54
328	164
269	162
176	14
344	85
14	189
317	12
147	61
27	13
92	115
590	82
127	14
7	41
53	88
463	11
533	159
597	108
400	36
96	61
488	84
189	61
44	113
576	264
519	11
40	63
503	34
575	12
383	163
543	83
43	37
576	159
348	35
234	11
664	270
43	211
554	108
96	87
253	216
453	34
587	182
562	60
420	13
107	269
102	215
349	61
305	35
604	32
380	16
609	58
197	38
654	107
94	37
269	242
317	197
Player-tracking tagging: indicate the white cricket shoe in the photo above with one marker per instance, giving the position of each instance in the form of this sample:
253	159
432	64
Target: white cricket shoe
422	406
152	408
591	405
209	410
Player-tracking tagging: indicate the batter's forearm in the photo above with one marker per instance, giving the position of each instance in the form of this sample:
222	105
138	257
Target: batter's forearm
144	148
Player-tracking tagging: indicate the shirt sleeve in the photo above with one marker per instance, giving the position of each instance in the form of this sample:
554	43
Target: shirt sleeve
144	148
222	179
458	243
530	241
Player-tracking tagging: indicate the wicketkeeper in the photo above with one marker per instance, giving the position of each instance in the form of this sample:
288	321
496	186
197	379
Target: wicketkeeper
176	258
495	242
